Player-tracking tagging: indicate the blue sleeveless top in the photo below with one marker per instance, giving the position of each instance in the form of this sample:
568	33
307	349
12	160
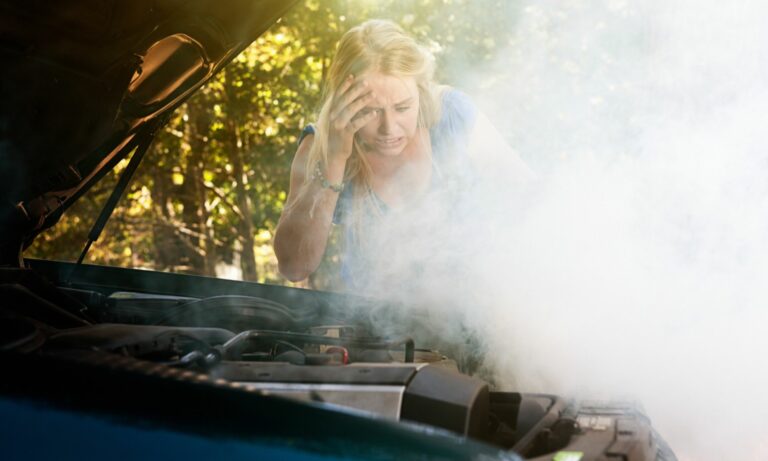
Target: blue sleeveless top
450	163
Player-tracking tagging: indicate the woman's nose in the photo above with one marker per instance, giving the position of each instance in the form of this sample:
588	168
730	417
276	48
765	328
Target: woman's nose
385	122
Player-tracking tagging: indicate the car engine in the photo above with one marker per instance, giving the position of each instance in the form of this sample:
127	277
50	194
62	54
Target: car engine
263	346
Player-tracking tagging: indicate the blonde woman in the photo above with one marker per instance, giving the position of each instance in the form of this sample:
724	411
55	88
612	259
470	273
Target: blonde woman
386	136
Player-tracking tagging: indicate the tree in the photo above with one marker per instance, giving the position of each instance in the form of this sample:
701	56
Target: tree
208	195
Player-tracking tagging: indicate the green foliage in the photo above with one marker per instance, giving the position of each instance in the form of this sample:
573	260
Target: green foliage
208	195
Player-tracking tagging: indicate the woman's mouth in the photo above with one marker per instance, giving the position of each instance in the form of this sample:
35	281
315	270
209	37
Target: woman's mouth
389	143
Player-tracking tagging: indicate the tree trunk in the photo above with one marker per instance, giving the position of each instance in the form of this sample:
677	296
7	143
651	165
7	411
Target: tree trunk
203	254
242	197
248	257
164	240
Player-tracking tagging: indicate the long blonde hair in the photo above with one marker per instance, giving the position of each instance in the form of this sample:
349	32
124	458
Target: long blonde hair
373	46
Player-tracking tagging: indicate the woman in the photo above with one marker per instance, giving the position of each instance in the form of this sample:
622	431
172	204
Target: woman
386	137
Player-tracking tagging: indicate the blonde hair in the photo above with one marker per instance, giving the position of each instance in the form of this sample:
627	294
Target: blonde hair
373	46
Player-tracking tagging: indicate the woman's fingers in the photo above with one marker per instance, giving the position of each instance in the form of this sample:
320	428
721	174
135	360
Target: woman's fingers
346	84
361	120
352	111
348	97
340	93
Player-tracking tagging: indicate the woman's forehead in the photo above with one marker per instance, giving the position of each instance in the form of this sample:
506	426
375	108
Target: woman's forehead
389	89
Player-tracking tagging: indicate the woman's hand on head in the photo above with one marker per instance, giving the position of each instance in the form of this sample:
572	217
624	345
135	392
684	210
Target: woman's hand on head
347	115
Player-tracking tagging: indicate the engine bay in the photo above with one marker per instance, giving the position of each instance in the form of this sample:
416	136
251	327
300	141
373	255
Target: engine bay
305	354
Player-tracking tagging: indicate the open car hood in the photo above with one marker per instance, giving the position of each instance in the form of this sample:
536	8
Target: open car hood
86	81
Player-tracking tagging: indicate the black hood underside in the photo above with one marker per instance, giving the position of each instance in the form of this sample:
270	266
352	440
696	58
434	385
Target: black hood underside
86	81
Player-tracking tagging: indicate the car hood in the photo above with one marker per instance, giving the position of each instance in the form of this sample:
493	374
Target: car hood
86	81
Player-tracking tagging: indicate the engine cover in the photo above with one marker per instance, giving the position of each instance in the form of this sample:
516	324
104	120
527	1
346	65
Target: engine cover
420	392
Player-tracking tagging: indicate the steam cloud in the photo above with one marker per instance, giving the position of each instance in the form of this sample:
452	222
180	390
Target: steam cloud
634	266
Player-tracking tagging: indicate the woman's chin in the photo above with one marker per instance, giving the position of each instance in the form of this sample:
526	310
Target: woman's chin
389	152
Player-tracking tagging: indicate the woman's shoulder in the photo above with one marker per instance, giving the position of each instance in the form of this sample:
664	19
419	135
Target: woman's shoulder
454	99
457	111
308	130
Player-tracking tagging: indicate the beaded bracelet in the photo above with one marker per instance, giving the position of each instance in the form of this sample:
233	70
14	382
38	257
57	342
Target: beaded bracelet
324	183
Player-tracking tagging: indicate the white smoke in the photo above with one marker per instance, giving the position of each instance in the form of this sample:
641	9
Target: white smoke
634	265
638	271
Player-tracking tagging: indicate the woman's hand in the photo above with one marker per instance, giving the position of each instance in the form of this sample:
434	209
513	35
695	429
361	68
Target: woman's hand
346	117
302	232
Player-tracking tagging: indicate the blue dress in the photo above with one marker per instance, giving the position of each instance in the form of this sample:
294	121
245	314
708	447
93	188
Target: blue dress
450	165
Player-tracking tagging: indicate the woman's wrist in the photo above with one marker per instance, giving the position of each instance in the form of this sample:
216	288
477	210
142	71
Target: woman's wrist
325	183
330	175
334	169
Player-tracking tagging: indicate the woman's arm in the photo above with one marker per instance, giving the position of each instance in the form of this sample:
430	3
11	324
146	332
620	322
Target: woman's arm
304	226
303	229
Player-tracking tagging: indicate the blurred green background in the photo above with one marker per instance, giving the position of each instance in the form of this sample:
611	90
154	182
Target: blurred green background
208	194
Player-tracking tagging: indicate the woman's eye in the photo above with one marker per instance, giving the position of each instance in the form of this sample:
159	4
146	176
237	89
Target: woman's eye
402	108
362	113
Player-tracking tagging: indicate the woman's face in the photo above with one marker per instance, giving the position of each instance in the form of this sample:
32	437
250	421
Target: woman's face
396	100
